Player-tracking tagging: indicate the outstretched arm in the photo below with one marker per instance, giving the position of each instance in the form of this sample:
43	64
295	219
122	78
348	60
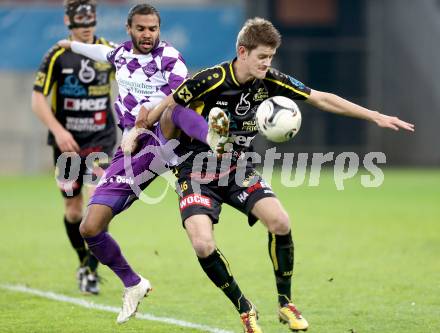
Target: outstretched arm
193	124
97	52
335	104
147	118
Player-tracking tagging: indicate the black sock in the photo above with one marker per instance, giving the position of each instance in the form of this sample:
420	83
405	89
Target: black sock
281	251
72	230
92	263
217	269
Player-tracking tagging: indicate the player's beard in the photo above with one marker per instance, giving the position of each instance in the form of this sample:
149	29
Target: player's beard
137	44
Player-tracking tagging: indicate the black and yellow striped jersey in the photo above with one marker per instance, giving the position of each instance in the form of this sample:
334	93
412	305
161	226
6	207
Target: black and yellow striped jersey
81	98
218	87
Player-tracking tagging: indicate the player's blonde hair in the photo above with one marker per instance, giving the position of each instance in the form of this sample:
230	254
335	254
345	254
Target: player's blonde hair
258	31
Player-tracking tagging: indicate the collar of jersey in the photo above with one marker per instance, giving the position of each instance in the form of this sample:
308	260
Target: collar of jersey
231	70
95	39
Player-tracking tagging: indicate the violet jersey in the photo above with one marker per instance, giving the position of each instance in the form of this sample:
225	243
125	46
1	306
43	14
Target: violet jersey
218	87
81	99
145	79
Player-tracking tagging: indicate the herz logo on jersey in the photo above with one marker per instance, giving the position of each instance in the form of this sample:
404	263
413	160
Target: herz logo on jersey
244	105
85	104
86	73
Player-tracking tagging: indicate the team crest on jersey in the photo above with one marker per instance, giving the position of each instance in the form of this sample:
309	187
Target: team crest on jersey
244	105
185	94
150	68
86	73
39	80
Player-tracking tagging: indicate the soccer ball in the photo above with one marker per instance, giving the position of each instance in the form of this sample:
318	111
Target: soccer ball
278	119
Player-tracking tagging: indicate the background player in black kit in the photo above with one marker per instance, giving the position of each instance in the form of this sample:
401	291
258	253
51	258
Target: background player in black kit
239	87
79	119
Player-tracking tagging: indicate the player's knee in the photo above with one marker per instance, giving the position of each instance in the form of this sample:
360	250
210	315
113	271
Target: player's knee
73	209
89	229
73	216
279	224
95	221
85	230
203	247
73	213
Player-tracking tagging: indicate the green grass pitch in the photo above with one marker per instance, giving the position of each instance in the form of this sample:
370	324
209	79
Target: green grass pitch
367	260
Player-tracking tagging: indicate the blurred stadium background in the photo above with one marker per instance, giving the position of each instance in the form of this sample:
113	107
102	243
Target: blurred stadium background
381	54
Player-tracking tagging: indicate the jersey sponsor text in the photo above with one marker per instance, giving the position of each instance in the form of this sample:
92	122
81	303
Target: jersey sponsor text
195	199
86	104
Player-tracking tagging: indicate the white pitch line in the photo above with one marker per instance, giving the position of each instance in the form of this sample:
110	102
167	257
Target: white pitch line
91	305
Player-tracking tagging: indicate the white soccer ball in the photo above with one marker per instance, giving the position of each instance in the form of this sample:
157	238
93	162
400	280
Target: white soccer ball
278	119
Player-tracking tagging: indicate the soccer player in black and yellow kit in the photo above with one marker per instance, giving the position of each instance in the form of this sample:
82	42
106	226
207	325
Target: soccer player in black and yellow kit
80	121
238	88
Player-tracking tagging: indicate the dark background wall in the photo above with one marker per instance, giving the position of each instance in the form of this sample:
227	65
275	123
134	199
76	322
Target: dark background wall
381	54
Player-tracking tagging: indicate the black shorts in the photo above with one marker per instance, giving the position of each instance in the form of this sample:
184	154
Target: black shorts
206	199
72	172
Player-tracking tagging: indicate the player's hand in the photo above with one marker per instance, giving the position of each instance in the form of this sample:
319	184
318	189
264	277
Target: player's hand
65	141
142	118
129	140
394	123
65	43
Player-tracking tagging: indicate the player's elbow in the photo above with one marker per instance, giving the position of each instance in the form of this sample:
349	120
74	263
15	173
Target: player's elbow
36	99
322	100
326	101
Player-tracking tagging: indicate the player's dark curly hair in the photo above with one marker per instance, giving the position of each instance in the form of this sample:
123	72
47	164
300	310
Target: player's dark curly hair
258	31
142	9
